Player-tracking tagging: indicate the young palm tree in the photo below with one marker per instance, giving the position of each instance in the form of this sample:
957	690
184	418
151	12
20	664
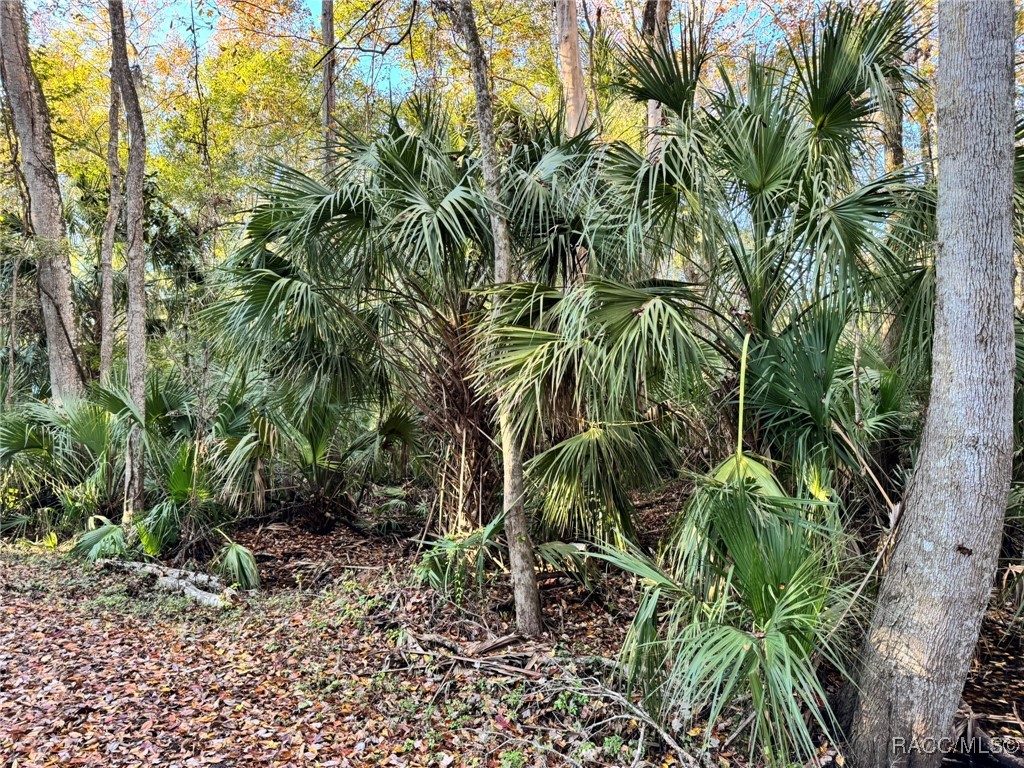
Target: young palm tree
369	287
786	236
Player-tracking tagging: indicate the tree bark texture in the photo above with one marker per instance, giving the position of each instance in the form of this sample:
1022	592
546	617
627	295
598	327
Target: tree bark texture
330	96
655	29
892	130
135	254
517	529
46	211
936	589
109	234
570	68
12	335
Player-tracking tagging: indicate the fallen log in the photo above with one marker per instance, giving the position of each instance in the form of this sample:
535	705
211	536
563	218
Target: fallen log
179	581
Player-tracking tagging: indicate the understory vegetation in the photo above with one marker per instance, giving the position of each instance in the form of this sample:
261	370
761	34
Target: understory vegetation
738	307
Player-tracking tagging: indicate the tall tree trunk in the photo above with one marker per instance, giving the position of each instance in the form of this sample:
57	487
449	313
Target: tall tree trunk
12	337
46	212
892	137
593	32
19	183
14	157
574	85
135	254
517	528
109	233
927	159
937	586
892	127
892	144
655	30
330	88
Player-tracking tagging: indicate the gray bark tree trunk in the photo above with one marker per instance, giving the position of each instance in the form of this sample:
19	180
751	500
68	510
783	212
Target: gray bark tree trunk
46	211
892	145
655	28
108	237
12	336
923	55
517	527
892	136
329	87
574	85
19	183
135	256
936	589
926	148
892	128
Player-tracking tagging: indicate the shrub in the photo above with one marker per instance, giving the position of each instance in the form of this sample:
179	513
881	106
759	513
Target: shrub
237	565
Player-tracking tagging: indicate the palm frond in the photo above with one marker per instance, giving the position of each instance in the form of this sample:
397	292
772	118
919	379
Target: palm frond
104	539
654	70
237	565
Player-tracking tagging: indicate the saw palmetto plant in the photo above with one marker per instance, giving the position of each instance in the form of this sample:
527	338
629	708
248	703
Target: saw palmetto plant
738	300
789	247
749	595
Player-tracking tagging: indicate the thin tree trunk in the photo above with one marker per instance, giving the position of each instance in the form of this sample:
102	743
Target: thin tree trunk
13	335
926	148
892	141
135	255
19	183
938	583
922	56
574	85
16	170
207	217
655	30
593	32
517	529
329	85
107	240
892	130
32	126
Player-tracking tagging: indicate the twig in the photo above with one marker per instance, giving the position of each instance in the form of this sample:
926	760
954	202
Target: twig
739	729
641	745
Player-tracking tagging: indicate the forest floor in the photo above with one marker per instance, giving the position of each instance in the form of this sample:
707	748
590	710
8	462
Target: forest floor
342	660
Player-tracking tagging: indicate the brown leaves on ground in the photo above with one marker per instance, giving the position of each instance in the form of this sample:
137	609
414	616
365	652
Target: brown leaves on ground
345	661
98	669
995	686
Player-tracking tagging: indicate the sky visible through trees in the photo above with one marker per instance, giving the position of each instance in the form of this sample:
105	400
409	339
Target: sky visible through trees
588	382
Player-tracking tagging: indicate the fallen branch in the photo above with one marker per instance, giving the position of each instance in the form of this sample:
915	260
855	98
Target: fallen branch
497	666
996	752
179	581
151	569
597	689
976	736
481	663
416	641
472	656
487	646
739	729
